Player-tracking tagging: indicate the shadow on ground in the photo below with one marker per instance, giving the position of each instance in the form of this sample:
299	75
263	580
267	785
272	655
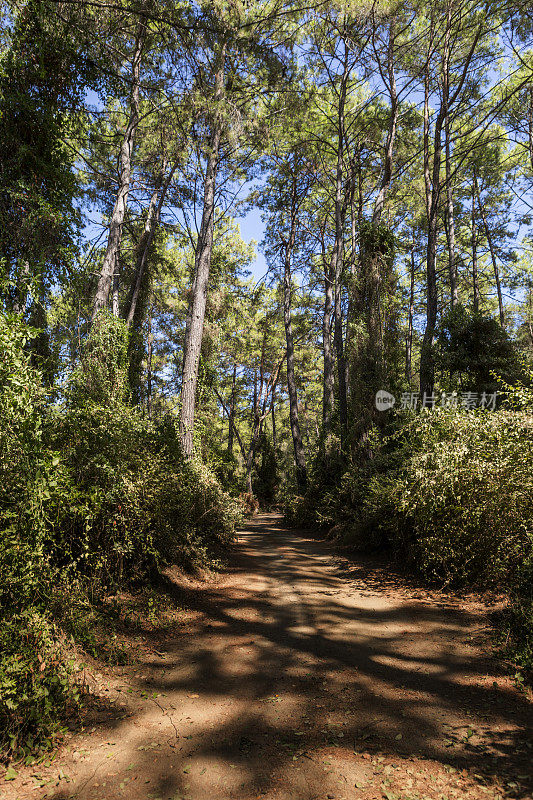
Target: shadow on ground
301	677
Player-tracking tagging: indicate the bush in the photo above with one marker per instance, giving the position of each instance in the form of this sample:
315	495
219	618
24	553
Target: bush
94	495
471	348
128	502
519	618
24	466
442	504
35	685
36	682
450	492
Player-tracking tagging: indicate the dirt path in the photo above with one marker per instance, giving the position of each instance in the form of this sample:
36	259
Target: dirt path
299	676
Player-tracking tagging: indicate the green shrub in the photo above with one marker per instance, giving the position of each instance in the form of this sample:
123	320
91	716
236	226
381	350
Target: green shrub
470	349
441	505
128	502
36	682
450	490
451	493
94	495
102	374
518	621
24	465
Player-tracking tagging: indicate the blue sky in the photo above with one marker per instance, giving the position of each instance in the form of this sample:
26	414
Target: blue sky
252	227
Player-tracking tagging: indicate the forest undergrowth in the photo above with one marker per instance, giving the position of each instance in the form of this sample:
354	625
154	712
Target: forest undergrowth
447	493
96	499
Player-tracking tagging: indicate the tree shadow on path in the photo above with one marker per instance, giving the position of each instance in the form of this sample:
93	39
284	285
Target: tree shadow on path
298	675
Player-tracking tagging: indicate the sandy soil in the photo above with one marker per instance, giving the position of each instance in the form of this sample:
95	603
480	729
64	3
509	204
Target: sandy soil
300	675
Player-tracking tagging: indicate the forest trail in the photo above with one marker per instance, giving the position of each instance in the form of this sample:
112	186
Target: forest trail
301	675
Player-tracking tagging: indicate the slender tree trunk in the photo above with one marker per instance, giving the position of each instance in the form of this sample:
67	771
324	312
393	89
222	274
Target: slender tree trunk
125	169
149	366
256	428
529	311
140	290
388	162
338	341
492	252
328	397
409	340
367	367
433	190
261	410
235	429
369	361
427	367
273	412
231	415
356	222
530	126
196	313
116	286
338	258
153	215
475	279
450	220
427	173
299	453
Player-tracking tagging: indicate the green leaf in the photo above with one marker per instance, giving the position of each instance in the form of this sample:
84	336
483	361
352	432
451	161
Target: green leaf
10	775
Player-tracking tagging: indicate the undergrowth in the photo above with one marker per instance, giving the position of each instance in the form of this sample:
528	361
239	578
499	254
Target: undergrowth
96	498
450	493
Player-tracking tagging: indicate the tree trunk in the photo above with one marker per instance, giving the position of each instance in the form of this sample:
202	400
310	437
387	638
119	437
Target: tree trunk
231	415
299	453
433	190
261	410
492	252
273	412
235	429
409	340
450	220
475	279
116	286
427	175
149	367
329	359
338	341
153	216
125	169
256	428
388	162
530	126
338	257
140	289
427	367
196	313
368	372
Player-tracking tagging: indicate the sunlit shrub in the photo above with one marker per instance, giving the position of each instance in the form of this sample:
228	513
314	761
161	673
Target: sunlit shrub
36	682
459	503
93	496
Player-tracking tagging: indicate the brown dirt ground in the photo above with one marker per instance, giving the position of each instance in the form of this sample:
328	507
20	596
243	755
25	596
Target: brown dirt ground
301	675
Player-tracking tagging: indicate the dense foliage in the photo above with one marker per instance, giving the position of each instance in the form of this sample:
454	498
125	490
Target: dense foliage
95	496
449	493
156	374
